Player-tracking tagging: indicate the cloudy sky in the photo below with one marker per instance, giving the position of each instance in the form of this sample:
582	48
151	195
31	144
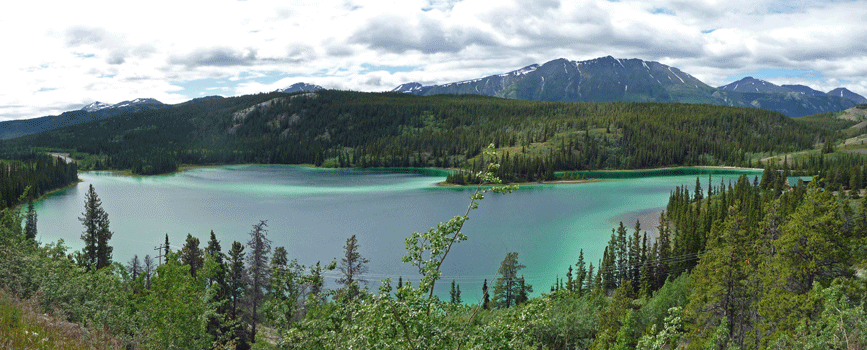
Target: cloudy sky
60	56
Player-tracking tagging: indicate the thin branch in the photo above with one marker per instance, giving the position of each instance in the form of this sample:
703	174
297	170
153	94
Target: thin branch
470	320
402	324
454	237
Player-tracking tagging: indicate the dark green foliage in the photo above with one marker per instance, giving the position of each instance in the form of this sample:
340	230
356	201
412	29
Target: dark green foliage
34	174
191	255
352	268
258	272
486	303
96	253
510	290
30	222
455	293
236	277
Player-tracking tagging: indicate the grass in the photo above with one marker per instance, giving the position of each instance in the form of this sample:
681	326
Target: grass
22	327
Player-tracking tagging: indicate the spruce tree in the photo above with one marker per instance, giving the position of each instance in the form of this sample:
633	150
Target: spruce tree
148	268
458	295
487	298
236	277
453	293
96	252
30	223
580	274
191	255
257	272
352	267
134	267
509	288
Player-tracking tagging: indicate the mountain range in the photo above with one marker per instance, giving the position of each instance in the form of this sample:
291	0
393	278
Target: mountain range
607	79
604	79
94	111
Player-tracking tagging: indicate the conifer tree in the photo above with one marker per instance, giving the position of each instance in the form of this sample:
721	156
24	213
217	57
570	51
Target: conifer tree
258	272
148	269
134	267
398	293
236	278
590	284
487	298
96	252
213	248
813	247
663	252
720	281
580	274
458	295
509	287
452	293
353	266
30	222
621	255
192	255
635	258
166	248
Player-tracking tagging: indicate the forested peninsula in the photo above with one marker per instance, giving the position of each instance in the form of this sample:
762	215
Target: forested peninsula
761	263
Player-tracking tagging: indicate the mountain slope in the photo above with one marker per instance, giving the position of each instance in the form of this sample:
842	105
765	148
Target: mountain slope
599	80
94	111
300	87
805	90
751	85
845	93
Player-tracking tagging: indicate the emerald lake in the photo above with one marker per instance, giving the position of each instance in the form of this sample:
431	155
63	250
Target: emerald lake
312	212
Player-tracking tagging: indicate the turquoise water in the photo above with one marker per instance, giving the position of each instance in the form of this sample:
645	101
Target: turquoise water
312	212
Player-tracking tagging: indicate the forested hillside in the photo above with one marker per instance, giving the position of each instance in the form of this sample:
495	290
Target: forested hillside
351	129
33	175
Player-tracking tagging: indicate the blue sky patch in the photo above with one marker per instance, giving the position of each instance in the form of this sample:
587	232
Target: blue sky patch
662	10
207	87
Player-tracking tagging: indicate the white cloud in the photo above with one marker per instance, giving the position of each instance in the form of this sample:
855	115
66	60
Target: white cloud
79	52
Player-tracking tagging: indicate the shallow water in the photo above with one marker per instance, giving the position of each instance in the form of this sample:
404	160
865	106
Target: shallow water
312	212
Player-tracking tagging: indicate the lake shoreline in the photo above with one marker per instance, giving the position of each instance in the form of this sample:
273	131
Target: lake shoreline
187	167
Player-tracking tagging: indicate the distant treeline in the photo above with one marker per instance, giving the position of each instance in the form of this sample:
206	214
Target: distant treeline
351	129
38	172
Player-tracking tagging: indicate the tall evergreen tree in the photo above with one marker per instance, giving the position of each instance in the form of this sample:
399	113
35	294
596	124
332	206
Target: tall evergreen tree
134	267
452	293
257	272
458	295
621	255
721	292
486	303
236	278
509	287
352	267
191	255
166	248
96	252
30	222
580	274
213	248
148	268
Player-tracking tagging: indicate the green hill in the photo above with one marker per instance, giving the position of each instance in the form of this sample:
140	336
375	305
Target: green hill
339	128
